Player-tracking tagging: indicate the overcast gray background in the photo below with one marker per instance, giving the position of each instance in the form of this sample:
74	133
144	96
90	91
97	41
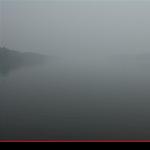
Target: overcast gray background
76	28
84	97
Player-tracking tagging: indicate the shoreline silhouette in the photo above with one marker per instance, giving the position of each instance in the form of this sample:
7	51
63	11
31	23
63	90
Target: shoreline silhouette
12	60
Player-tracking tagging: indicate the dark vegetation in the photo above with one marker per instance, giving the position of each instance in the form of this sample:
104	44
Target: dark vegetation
11	59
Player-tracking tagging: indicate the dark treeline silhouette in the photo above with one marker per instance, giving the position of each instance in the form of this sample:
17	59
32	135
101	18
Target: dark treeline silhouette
11	59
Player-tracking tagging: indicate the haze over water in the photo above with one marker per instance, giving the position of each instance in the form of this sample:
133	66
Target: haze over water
96	82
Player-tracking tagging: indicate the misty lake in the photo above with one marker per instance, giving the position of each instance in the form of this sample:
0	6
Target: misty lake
76	99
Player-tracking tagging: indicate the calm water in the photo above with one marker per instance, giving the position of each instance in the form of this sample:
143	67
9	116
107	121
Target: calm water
70	99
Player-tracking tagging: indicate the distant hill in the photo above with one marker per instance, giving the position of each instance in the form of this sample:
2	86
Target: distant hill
11	59
22	57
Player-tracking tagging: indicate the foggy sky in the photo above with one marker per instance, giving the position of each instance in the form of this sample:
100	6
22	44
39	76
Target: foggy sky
73	28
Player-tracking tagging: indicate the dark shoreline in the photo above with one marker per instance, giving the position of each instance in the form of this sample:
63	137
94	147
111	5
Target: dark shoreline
12	60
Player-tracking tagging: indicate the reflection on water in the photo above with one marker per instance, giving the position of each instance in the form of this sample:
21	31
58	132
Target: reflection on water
6	67
76	100
10	64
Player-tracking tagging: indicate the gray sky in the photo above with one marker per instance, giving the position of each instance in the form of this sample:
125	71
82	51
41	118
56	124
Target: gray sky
68	28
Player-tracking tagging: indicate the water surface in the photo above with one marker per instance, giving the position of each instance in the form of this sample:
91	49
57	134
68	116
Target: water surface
76	99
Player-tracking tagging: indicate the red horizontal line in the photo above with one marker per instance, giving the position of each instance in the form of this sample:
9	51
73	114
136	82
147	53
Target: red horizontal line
146	132
74	141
